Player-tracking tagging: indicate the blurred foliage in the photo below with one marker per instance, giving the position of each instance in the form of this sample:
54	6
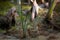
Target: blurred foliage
57	7
4	6
26	7
4	0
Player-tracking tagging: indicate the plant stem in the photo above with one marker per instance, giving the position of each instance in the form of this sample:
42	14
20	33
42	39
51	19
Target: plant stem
50	12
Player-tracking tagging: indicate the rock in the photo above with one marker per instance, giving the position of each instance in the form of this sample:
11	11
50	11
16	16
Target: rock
44	33
52	37
33	33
